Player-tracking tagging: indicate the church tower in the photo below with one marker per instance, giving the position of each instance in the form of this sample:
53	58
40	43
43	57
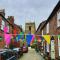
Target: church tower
30	28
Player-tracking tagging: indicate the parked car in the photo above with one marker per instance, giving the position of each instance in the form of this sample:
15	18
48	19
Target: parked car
18	52
7	54
25	49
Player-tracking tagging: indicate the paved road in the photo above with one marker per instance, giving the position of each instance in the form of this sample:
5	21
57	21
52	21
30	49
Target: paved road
31	55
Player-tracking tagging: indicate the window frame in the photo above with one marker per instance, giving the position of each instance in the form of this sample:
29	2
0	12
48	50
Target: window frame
47	28
58	18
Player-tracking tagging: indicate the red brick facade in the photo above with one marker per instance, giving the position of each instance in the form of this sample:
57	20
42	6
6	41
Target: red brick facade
53	29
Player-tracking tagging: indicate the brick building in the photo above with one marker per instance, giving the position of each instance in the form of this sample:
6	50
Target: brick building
15	28
9	22
52	27
3	22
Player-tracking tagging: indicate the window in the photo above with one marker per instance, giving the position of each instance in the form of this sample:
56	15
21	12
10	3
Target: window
30	28
58	18
2	24
59	45
8	28
47	28
42	32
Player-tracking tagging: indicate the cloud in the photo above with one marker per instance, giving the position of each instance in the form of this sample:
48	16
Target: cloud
37	10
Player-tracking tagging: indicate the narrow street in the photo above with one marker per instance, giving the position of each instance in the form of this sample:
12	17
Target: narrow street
31	55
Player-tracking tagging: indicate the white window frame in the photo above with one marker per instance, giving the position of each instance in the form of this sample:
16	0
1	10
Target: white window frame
47	28
42	32
8	28
2	24
58	18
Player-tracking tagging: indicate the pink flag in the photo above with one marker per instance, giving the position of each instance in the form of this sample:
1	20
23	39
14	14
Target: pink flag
5	29
7	38
33	39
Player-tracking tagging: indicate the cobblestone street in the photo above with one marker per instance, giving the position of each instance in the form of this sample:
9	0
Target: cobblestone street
31	55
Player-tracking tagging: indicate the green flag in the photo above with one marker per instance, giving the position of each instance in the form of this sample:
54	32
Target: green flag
1	38
59	37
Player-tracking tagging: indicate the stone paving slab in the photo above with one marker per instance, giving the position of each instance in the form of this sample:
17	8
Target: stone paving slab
31	55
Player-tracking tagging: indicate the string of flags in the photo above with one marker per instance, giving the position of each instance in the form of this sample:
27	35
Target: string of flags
30	38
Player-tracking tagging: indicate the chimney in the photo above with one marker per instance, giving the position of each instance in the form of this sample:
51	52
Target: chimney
2	11
11	19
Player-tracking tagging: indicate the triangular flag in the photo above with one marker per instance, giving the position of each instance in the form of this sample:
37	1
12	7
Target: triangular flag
5	29
18	37
1	38
59	36
35	41
47	38
32	40
29	38
15	32
22	35
7	38
39	39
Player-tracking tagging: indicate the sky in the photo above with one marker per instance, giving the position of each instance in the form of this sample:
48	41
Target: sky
28	10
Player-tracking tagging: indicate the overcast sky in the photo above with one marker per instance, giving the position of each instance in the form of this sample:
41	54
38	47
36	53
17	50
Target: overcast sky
26	10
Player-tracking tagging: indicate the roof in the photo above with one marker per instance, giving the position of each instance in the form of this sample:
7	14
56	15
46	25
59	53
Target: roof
6	19
18	27
53	13
40	25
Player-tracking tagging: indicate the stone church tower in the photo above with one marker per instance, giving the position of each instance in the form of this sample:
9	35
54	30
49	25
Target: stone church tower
30	27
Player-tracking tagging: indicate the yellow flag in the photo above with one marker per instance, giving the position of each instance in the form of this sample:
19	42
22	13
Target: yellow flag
47	38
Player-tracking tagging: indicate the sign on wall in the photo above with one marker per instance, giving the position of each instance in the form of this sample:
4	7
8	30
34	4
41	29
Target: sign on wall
52	49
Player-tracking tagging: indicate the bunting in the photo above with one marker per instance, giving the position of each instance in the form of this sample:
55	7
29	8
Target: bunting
21	35
39	39
7	38
29	38
1	38
47	38
15	32
32	40
59	36
5	29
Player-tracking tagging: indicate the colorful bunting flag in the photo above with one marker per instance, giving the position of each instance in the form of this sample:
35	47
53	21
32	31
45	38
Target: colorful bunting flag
15	32
39	39
1	38
59	36
5	29
22	35
29	38
7	38
35	41
32	40
47	38
18	37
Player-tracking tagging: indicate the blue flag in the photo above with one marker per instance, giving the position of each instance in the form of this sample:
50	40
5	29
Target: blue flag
29	38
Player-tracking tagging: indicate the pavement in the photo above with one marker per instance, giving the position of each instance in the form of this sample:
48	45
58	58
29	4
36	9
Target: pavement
31	55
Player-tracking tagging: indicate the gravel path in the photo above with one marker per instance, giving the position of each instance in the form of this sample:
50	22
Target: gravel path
31	55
